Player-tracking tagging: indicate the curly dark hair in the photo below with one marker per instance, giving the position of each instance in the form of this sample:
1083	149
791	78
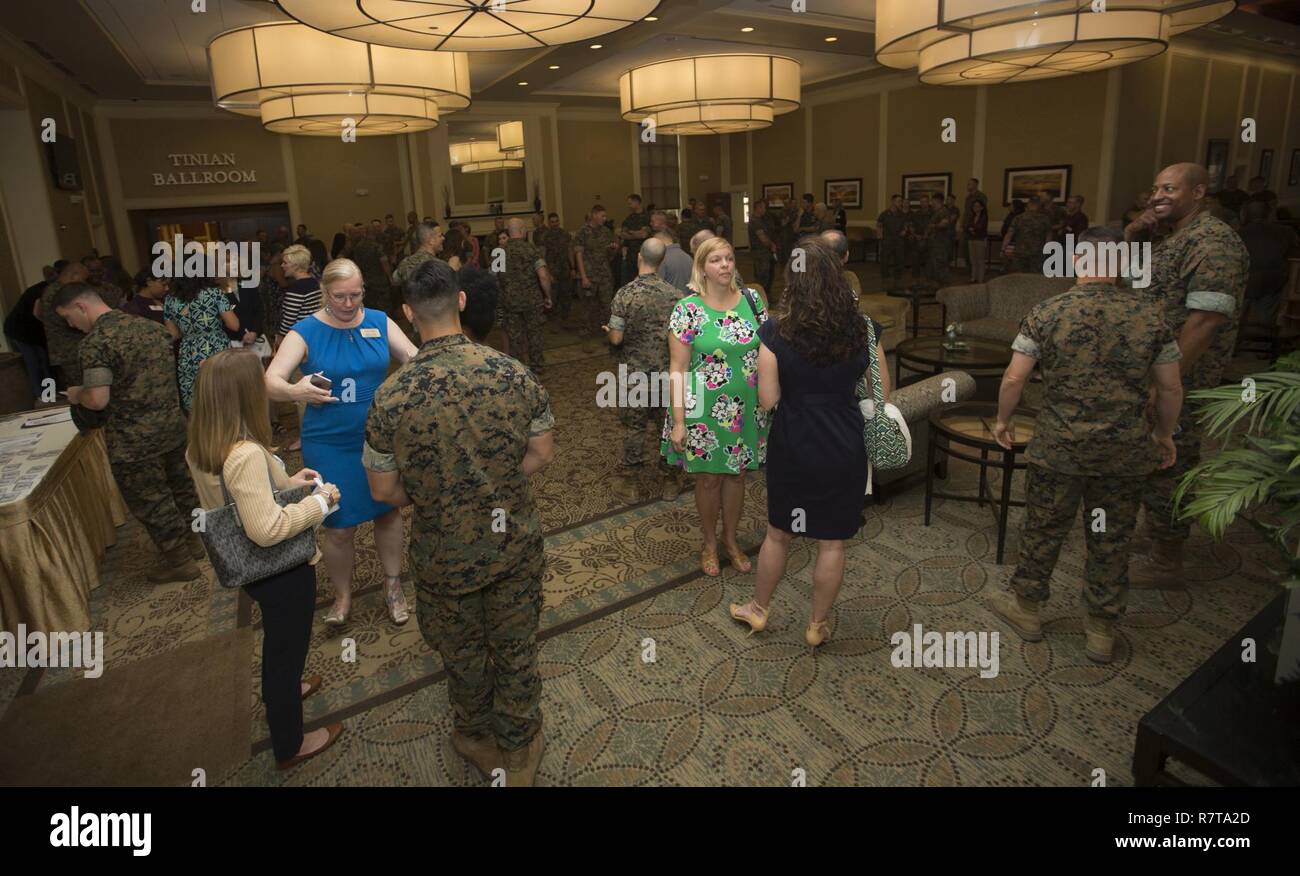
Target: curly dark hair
818	315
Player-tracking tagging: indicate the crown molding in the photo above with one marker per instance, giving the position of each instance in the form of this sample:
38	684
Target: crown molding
589	114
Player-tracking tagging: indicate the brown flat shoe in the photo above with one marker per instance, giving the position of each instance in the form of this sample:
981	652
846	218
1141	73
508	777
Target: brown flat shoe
313	685
334	731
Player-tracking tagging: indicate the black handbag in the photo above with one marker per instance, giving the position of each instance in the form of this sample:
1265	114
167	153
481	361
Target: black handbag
236	558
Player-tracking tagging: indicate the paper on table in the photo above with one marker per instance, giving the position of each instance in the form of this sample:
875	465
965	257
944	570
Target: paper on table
61	416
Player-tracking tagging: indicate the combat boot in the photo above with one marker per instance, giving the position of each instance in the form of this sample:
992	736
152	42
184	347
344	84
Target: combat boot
1163	569
196	547
1099	638
626	482
482	752
1021	614
175	565
521	766
675	483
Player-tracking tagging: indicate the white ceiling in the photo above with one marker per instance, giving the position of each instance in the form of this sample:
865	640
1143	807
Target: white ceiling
164	40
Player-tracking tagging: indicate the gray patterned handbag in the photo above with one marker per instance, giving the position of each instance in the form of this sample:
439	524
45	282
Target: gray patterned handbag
236	558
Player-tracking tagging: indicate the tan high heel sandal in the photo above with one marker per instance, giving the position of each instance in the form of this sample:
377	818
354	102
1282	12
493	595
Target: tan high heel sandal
817	633
757	619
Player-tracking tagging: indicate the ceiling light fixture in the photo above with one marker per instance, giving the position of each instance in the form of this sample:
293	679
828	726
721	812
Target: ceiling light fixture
832	39
978	42
746	30
468	25
710	94
510	138
313	82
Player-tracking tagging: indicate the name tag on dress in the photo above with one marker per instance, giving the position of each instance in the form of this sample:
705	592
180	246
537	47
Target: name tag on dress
370	333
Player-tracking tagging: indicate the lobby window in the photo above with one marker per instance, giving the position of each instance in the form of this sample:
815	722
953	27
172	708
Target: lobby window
659	183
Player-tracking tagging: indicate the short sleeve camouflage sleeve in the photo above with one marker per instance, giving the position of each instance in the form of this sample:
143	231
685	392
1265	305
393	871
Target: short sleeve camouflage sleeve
1029	339
378	453
96	361
618	310
1166	345
543	420
1216	277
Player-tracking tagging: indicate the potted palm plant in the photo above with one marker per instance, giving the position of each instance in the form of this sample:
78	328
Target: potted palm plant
1255	477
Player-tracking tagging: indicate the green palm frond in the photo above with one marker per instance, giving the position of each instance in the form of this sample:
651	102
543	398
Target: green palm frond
1277	399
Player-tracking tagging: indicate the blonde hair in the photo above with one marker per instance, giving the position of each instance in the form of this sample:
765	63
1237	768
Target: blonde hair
701	259
298	257
339	269
229	407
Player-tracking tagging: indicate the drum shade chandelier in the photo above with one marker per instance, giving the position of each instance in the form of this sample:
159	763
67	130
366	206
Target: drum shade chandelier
710	94
981	42
482	156
468	25
302	81
510	137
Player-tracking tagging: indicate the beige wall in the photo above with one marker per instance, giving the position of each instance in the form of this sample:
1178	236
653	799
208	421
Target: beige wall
595	166
779	153
71	223
703	157
330	173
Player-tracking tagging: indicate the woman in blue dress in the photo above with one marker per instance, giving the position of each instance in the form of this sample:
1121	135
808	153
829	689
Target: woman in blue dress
353	346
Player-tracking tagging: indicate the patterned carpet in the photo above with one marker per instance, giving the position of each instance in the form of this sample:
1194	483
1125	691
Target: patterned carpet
717	707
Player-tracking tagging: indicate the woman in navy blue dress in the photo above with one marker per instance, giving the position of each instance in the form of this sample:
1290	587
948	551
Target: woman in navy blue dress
352	346
812	354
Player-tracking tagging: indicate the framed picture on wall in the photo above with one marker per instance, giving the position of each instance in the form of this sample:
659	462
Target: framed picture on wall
1024	183
1216	162
915	185
1293	176
1266	166
778	194
849	191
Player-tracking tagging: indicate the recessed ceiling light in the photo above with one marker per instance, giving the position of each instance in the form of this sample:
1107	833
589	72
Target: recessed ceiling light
521	83
553	67
597	46
832	39
746	30
651	18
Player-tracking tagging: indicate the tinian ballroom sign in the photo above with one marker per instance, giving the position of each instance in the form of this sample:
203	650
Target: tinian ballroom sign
202	173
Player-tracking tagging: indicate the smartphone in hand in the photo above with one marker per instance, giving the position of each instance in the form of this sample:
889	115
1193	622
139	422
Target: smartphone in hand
320	381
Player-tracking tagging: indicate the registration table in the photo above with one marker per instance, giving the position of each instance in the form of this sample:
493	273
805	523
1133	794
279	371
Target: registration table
59	510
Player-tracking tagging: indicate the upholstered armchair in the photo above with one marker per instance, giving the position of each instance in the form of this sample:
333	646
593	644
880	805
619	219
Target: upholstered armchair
915	402
993	310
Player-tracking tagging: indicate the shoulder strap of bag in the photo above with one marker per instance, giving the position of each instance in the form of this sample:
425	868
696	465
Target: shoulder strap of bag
877	391
745	293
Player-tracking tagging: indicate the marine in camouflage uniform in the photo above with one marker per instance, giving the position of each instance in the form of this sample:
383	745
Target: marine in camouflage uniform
760	250
940	244
1201	266
393	242
1091	440
687	227
145	431
635	222
62	340
455	423
557	246
594	243
918	233
520	301
1033	230
893	224
640	311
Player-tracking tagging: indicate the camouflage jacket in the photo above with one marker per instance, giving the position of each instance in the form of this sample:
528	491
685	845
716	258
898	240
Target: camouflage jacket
409	266
892	224
133	357
520	289
595	246
557	244
640	310
1202	266
454	423
1095	345
61	339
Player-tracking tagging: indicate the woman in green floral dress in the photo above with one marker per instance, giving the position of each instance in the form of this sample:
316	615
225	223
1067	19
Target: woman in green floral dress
717	430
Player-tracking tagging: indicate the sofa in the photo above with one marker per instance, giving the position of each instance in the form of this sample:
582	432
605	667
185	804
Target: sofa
993	310
893	314
915	402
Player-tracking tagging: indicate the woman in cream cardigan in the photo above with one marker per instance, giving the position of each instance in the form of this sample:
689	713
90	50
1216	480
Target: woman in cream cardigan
229	437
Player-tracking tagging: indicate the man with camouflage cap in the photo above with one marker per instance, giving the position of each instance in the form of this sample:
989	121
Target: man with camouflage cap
638	329
1091	441
525	293
128	371
1199	272
456	433
593	245
557	245
1029	234
943	220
